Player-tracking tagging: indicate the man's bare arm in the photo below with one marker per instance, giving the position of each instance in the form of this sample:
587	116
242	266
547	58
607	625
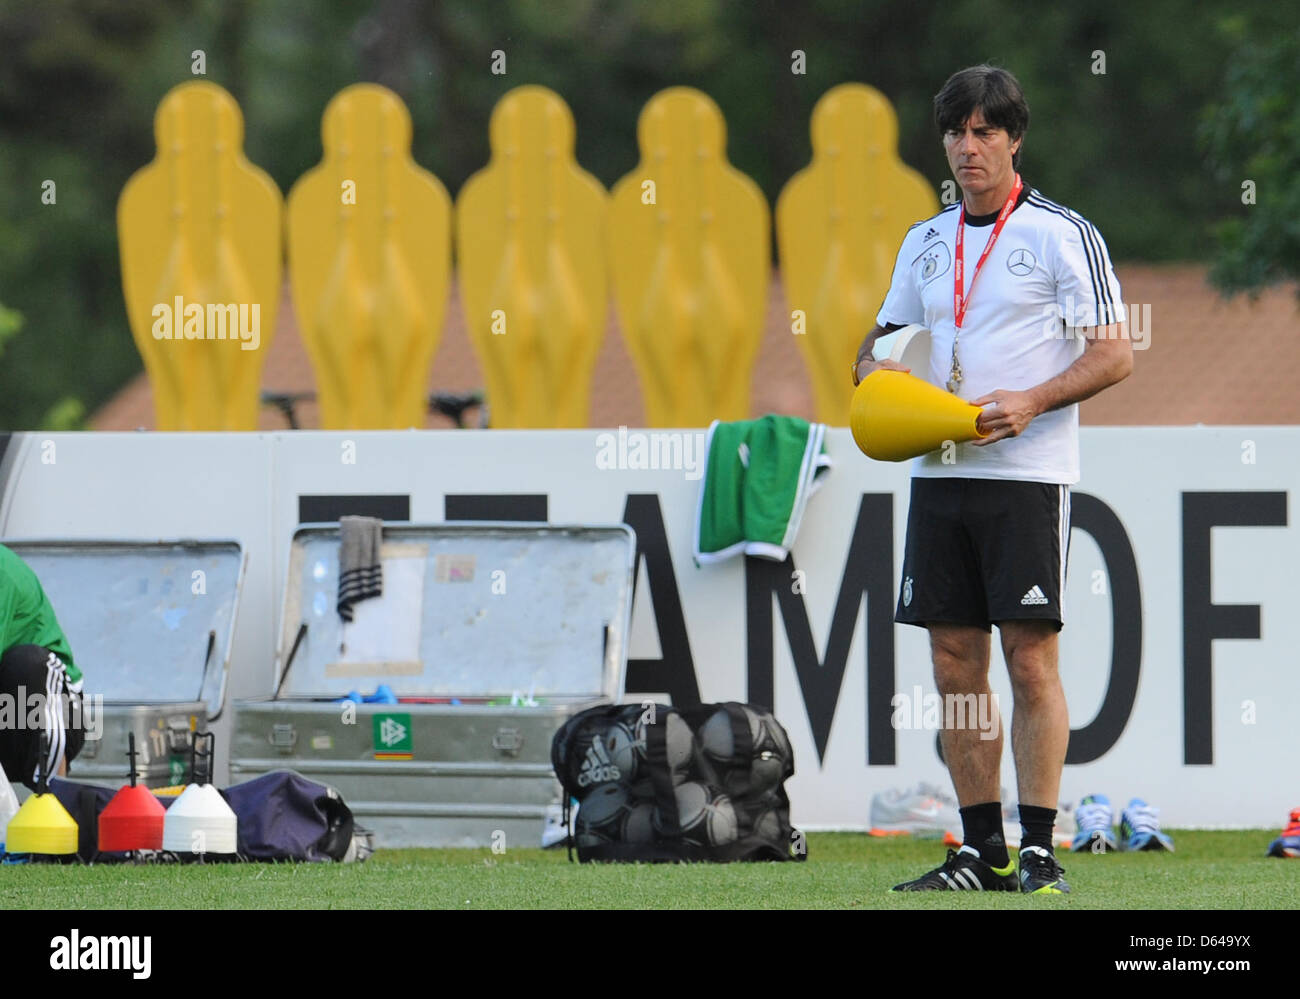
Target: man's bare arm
864	353
1107	358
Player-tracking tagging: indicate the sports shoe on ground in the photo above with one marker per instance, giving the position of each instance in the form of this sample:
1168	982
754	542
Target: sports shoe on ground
361	847
1288	844
553	832
1094	819
1066	827
1010	821
925	811
964	870
1040	874
1139	828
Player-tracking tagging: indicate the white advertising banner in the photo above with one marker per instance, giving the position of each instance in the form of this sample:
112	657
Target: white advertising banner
1179	653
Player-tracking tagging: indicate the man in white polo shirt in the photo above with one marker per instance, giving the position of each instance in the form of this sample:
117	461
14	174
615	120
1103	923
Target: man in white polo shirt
1026	320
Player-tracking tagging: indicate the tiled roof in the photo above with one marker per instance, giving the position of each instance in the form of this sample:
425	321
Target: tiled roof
1205	361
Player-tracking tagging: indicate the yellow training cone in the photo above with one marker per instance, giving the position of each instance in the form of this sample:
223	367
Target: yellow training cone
895	416
42	825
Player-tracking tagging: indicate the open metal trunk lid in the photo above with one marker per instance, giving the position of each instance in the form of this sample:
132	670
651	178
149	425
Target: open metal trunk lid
149	622
468	610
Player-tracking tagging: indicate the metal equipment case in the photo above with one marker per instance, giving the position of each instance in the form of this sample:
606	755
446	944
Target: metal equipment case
491	635
150	625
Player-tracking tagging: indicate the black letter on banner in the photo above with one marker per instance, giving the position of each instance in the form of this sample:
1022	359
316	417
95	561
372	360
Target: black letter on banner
868	569
1094	740
495	506
675	672
323	509
1204	621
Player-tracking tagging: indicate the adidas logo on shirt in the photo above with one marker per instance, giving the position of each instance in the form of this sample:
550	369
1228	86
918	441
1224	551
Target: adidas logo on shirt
930	235
1033	598
597	768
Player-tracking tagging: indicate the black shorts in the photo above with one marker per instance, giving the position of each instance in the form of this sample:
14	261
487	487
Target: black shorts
981	551
34	699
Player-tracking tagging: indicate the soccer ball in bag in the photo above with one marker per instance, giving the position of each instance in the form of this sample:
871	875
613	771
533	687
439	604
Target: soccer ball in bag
600	815
679	747
608	815
706	819
637	825
621	747
771	756
603	753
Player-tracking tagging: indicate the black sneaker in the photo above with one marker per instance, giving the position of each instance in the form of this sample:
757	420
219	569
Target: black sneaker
1040	874
964	870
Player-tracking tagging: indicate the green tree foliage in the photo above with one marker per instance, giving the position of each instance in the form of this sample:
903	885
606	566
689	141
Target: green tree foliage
80	79
10	322
1252	136
77	81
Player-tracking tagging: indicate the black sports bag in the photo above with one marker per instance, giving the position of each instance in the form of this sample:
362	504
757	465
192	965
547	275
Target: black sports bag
657	783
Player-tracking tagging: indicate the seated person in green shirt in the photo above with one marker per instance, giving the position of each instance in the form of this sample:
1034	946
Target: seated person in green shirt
40	687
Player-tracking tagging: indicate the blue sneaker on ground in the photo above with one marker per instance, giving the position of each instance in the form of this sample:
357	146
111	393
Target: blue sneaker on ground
1094	819
1139	828
1288	844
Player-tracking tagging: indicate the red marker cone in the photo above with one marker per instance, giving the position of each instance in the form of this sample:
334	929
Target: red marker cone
133	820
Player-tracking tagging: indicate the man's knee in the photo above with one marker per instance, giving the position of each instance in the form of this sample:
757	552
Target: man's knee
960	656
24	663
35	707
1030	649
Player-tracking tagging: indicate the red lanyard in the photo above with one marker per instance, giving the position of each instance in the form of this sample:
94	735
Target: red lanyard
960	301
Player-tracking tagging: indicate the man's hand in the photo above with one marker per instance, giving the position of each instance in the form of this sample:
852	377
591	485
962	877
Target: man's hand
867	365
1008	417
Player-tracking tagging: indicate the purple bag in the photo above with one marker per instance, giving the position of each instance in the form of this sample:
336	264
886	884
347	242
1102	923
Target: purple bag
282	816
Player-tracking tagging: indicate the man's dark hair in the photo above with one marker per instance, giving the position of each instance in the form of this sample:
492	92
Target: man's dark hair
994	91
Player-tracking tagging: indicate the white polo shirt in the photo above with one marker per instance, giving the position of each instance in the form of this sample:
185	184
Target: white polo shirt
1049	274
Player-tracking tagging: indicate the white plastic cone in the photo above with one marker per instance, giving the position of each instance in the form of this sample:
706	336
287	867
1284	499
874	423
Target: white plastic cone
200	822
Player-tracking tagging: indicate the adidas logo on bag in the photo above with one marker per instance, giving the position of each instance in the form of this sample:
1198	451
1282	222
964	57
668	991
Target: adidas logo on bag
597	768
1033	598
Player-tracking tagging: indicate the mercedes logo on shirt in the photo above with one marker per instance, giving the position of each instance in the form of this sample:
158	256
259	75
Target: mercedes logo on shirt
1021	262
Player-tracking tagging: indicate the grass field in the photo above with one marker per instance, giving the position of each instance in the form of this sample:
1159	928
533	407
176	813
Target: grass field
1213	870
